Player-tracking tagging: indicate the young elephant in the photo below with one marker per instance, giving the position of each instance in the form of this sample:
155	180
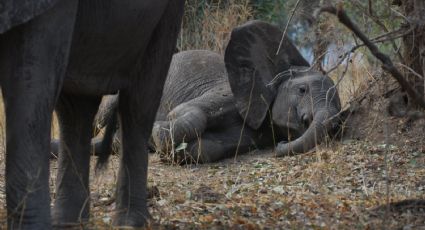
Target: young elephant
250	99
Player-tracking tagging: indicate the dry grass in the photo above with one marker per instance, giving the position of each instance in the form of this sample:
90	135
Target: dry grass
327	189
352	81
330	189
335	187
208	26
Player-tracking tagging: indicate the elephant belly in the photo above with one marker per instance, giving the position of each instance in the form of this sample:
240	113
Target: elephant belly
110	38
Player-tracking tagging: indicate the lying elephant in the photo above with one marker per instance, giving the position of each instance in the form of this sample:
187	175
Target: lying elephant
68	54
252	98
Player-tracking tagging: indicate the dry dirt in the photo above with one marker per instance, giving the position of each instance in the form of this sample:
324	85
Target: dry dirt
380	160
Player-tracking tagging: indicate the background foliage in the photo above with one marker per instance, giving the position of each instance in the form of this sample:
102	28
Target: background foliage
207	25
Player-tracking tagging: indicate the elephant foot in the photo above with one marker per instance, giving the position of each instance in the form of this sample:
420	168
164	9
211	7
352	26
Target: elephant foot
284	149
124	219
161	136
64	220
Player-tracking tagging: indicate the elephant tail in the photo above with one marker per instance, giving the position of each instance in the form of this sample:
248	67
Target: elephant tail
103	146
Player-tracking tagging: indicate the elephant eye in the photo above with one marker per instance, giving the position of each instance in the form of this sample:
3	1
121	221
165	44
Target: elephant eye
302	89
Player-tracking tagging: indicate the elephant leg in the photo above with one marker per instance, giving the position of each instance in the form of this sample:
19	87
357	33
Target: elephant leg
137	110
185	124
217	145
132	176
75	114
101	146
33	59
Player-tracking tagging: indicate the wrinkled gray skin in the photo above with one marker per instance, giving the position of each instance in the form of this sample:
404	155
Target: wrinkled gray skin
207	98
69	53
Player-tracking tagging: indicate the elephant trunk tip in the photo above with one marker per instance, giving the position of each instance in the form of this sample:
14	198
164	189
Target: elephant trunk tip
314	135
291	149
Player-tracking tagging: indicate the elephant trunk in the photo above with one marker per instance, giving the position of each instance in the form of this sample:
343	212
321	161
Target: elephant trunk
314	135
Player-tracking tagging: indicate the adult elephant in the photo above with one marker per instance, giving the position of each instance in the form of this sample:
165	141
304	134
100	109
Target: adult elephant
254	97
70	53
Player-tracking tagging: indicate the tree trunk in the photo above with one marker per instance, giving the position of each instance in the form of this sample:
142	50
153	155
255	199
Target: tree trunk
414	44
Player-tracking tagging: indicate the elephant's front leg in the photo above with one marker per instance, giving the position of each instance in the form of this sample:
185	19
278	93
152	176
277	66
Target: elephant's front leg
75	115
131	209
33	59
186	123
27	160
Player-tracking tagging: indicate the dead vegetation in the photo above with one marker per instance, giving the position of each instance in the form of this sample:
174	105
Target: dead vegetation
347	184
207	24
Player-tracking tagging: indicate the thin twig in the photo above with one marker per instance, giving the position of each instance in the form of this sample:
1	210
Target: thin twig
244	118
287	25
379	39
371	15
386	168
387	64
411	70
402	31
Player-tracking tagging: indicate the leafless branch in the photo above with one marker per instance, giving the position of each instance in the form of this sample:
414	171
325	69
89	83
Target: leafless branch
411	70
392	35
369	12
287	25
387	64
379	39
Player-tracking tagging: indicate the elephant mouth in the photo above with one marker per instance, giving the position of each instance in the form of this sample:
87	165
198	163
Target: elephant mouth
295	130
311	137
306	121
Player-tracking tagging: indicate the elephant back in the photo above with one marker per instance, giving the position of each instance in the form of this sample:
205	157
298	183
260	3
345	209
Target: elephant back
16	12
192	74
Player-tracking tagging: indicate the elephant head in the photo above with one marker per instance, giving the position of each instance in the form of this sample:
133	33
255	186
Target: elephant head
262	79
305	106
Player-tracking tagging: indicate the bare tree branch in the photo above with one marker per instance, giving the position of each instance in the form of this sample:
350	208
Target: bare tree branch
411	70
387	64
372	16
379	39
287	25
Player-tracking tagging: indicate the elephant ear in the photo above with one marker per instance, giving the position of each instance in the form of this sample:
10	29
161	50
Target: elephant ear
16	12
252	63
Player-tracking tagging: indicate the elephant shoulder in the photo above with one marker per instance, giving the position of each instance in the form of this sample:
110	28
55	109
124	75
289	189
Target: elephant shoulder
194	72
194	62
16	12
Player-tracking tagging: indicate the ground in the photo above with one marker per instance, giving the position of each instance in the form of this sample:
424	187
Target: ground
343	185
